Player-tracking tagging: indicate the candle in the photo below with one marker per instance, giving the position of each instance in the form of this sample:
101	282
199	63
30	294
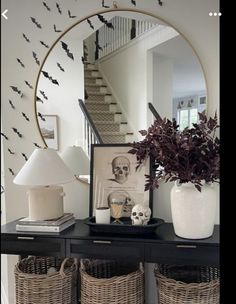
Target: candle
102	215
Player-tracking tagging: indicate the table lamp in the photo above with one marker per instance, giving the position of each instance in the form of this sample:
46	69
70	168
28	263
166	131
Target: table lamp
78	162
45	171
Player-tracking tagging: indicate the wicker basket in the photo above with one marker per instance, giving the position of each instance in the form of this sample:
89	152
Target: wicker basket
35	285
187	284
111	282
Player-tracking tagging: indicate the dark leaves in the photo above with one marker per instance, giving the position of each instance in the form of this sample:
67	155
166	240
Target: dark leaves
191	155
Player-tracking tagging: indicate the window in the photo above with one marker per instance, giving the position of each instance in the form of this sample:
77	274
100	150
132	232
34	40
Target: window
186	117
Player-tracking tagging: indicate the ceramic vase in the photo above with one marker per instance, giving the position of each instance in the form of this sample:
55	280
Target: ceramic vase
193	212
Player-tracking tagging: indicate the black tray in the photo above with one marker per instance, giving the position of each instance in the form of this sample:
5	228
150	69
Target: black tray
125	228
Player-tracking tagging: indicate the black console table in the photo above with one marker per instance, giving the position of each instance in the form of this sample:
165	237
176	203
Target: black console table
163	246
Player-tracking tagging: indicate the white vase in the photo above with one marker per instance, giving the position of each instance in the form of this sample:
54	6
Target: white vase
193	212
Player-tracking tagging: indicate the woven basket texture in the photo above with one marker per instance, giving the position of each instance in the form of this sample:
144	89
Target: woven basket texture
34	286
187	284
111	282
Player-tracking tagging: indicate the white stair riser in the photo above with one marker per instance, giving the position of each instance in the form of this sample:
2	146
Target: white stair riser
94	73
129	138
99	81
123	128
90	66
108	98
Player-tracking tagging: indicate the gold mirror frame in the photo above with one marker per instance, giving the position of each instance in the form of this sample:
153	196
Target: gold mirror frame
92	15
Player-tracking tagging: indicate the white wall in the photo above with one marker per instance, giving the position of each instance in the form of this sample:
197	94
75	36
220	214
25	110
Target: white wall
133	59
190	17
64	103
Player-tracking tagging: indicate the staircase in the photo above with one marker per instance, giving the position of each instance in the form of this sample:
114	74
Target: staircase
103	109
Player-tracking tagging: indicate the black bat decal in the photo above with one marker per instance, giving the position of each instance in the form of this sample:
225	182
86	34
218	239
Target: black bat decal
47	7
28	84
60	67
39	99
55	29
71	16
17	132
65	47
9	150
133	2
11	171
36	58
4	136
160	2
58	8
36	22
43	94
44	44
12	105
41	116
82	59
26	38
103	4
2	189
45	74
103	20
25	116
25	157
98	46
36	145
90	24
20	62
15	89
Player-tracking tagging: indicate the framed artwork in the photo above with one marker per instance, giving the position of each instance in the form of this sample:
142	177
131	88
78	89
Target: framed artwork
114	178
49	130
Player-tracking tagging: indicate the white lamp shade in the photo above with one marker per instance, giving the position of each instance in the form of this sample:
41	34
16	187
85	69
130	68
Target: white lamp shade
44	167
76	159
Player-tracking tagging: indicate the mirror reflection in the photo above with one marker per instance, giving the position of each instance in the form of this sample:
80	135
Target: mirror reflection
97	80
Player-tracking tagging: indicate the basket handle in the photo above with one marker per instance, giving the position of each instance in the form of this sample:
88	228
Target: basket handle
141	268
62	273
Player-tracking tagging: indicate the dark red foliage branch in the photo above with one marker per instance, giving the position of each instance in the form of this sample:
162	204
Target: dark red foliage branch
190	155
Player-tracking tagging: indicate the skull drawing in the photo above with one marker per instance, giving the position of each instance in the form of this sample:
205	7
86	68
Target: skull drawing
121	197
140	214
121	169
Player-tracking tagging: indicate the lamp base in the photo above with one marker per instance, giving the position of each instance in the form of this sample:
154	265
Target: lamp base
45	203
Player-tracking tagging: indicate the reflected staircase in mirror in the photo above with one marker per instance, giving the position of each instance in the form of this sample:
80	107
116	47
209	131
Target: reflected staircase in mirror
103	108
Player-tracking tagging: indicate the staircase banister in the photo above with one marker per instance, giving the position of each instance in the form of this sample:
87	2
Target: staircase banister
90	121
154	111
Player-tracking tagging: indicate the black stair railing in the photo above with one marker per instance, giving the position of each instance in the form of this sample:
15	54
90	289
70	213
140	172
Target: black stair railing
154	111
91	130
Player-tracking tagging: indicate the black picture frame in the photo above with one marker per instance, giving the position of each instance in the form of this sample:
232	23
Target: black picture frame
106	182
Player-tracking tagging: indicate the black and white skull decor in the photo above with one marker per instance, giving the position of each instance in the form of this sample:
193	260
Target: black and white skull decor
121	169
140	215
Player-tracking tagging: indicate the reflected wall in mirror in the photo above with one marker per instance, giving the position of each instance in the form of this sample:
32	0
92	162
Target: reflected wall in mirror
115	63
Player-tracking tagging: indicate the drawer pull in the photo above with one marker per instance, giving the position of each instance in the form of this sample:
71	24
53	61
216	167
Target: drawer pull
186	246
102	242
25	238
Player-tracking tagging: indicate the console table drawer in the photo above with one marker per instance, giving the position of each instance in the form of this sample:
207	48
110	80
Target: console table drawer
105	249
182	254
33	245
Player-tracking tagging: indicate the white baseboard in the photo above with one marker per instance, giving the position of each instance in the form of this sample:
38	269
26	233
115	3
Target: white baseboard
4	299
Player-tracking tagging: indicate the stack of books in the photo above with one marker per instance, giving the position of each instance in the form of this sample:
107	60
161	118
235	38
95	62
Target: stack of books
53	225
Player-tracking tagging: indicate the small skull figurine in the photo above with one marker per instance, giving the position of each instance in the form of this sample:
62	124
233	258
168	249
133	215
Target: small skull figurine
140	215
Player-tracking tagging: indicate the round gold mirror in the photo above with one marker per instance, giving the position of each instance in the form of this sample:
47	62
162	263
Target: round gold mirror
116	62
